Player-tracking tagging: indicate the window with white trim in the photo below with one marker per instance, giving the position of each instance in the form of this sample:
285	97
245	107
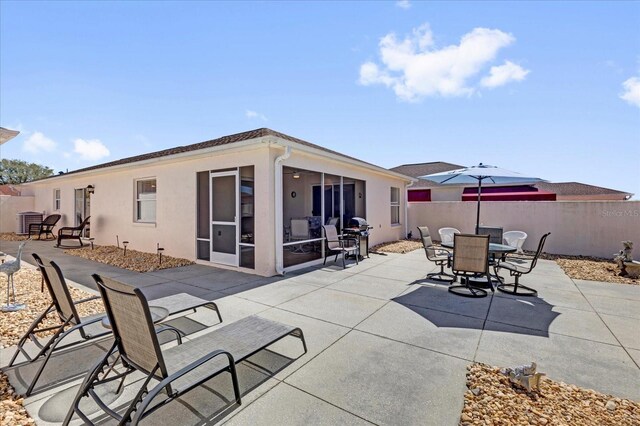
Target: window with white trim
145	201
395	206
56	199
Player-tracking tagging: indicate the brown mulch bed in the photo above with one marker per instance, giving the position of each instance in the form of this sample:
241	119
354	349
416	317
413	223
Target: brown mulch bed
14	324
401	246
134	260
12	236
491	399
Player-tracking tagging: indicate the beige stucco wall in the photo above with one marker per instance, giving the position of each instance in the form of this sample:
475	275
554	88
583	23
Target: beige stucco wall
112	204
9	207
591	228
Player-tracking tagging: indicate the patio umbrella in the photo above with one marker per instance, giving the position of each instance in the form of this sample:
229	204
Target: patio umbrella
478	174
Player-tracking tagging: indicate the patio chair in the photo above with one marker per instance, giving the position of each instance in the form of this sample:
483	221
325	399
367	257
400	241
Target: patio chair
515	239
178	369
335	243
65	309
299	232
439	256
89	327
470	260
517	267
446	234
72	232
45	227
494	233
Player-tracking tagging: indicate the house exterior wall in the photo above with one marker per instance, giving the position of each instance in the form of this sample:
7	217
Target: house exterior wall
10	206
113	201
589	228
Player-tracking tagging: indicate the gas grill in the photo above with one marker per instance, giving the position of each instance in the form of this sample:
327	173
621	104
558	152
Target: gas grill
359	228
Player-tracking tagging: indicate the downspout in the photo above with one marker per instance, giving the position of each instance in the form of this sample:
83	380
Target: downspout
406	208
278	208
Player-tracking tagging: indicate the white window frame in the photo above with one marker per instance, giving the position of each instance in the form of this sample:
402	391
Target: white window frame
138	200
56	199
394	204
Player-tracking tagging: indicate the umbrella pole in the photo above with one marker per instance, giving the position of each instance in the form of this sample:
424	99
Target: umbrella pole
478	208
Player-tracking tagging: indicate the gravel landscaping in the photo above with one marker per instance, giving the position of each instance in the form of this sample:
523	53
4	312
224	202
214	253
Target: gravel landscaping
491	399
133	260
14	324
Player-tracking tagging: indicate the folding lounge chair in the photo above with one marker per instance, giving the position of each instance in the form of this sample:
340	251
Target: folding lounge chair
65	308
88	327
176	369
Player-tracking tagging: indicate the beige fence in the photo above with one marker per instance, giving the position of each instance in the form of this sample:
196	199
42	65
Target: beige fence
9	208
588	228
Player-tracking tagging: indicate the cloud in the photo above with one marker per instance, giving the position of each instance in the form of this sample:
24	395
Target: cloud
631	92
414	68
38	143
403	4
503	74
252	114
90	150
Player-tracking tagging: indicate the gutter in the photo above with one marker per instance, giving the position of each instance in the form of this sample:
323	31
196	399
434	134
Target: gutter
278	209
406	207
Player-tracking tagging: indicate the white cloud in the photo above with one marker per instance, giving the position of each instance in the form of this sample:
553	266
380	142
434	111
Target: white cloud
503	74
631	92
403	4
253	114
415	68
38	143
90	150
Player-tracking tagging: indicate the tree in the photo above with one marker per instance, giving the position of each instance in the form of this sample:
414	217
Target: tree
17	171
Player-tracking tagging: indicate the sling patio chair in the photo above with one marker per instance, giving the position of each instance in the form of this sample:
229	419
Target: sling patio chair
446	234
177	369
45	227
72	232
437	255
519	265
65	309
338	244
470	260
89	327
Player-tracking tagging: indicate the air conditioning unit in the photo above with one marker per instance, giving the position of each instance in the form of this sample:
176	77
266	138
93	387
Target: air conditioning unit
27	218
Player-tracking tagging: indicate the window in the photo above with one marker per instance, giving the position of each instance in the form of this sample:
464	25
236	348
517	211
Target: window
395	206
146	200
56	199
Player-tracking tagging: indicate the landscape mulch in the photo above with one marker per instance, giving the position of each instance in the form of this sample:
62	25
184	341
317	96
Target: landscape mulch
491	399
132	260
14	324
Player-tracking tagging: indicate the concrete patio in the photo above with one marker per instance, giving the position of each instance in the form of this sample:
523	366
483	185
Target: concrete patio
385	345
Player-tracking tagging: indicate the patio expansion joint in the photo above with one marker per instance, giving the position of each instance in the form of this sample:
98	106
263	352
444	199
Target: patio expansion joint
484	324
607	326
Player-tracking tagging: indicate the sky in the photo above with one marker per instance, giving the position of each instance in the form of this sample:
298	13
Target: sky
548	89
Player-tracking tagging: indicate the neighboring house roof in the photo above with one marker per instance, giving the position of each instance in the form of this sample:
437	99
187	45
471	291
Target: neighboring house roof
6	134
578	189
9	190
421	169
224	140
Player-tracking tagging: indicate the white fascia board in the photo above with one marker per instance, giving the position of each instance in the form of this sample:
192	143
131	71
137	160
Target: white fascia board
341	159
